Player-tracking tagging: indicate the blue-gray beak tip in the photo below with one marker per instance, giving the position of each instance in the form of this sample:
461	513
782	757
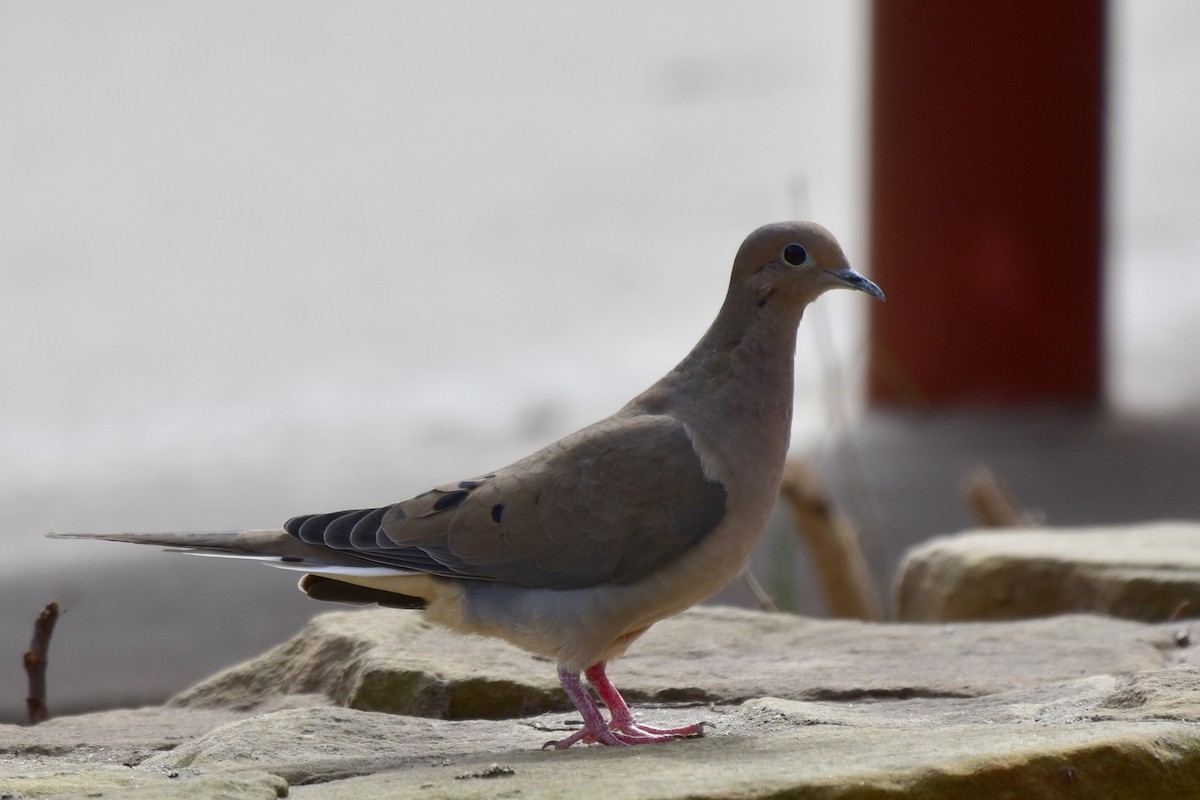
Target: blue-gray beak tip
853	280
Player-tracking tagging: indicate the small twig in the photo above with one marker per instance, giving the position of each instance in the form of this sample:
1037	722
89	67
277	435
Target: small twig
991	503
833	544
35	664
765	603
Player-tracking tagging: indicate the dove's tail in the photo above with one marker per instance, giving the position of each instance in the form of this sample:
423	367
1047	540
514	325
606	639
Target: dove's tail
275	547
332	575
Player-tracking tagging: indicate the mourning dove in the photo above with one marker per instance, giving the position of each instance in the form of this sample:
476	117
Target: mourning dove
575	551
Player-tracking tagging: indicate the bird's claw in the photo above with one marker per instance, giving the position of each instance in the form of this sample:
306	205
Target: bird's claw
627	734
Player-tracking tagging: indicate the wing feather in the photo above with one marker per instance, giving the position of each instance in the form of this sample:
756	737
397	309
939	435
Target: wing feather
610	503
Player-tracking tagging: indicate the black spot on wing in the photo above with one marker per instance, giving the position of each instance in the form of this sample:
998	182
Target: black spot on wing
451	500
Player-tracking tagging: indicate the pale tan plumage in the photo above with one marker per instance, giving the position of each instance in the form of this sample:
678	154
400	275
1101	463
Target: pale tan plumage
575	550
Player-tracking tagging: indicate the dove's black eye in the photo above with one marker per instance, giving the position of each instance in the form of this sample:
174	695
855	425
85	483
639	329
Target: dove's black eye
795	255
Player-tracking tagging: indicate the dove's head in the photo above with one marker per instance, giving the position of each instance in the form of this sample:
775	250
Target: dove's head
793	263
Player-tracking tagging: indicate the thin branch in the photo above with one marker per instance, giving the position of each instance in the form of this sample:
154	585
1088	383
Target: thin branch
35	664
765	603
833	544
992	504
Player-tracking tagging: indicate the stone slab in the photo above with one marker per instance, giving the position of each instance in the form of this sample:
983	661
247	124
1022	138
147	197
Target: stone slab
1066	707
1148	572
387	660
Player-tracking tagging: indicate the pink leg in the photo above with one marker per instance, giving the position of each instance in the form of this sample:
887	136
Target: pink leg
594	727
622	717
622	729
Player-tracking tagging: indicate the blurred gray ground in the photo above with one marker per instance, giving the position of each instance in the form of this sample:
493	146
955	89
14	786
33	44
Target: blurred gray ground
267	259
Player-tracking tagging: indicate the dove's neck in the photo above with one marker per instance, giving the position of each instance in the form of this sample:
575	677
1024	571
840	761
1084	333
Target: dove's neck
736	385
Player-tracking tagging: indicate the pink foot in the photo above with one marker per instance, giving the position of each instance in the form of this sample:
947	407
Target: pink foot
623	729
687	731
622	717
610	737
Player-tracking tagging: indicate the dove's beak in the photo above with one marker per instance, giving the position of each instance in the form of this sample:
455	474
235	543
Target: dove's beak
853	280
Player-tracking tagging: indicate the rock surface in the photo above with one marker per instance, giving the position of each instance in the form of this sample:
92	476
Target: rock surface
1146	572
394	661
123	782
1076	706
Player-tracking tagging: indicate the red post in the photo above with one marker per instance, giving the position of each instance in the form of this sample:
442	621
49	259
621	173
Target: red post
986	203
